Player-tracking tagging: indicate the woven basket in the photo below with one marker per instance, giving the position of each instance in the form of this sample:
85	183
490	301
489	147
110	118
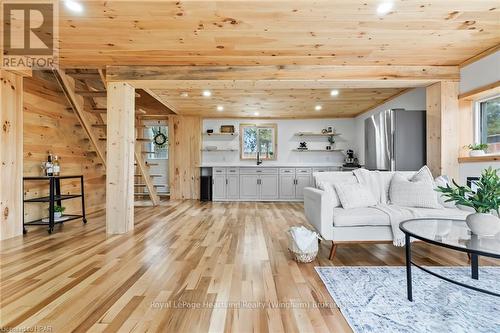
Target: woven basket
302	256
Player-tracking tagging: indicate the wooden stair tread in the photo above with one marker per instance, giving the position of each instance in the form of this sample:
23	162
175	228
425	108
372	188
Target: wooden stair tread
104	110
89	93
93	125
97	110
83	76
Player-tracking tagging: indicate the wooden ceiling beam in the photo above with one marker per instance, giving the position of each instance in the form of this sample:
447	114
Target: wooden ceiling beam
160	100
135	74
188	85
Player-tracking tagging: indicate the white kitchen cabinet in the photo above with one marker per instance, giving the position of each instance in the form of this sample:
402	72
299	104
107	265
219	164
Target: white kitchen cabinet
219	187
302	181
233	186
260	183
249	187
269	189
287	186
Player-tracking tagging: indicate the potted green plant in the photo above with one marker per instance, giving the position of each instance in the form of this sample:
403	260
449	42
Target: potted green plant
478	149
485	200
58	211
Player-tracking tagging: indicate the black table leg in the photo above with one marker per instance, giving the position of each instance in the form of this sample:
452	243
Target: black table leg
408	269
51	205
25	231
83	200
474	265
58	190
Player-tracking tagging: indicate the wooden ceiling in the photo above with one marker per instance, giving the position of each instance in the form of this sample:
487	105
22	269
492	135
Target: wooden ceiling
332	44
333	32
279	103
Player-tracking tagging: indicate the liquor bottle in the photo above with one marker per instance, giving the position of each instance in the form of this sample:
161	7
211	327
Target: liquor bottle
49	169
56	168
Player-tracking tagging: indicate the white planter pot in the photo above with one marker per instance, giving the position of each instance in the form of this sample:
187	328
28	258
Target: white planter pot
474	153
57	215
483	224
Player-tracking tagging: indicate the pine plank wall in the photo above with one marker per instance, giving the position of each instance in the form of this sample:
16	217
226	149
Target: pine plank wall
49	126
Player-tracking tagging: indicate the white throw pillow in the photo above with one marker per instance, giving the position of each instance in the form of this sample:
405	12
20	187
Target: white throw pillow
330	191
417	191
424	174
355	195
443	181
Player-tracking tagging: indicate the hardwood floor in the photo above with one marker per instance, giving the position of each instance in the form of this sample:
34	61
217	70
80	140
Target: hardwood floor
187	267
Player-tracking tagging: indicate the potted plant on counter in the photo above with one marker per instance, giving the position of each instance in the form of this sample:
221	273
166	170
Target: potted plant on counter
485	201
478	149
58	211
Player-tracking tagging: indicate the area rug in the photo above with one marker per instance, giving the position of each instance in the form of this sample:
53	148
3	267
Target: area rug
373	299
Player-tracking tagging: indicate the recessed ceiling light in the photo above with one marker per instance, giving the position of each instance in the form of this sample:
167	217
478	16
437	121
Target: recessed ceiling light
318	107
220	108
255	113
334	92
206	93
384	8
74	6
184	94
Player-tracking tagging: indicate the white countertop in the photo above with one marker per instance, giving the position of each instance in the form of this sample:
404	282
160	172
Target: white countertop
267	165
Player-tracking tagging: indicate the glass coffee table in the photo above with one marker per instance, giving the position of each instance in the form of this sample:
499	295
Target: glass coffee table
451	234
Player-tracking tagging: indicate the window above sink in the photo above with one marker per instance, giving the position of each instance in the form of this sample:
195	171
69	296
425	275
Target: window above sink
260	138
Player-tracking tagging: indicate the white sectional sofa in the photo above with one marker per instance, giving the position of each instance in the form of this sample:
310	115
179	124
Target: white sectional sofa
356	225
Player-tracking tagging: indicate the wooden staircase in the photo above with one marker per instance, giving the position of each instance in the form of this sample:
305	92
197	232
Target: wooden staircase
86	92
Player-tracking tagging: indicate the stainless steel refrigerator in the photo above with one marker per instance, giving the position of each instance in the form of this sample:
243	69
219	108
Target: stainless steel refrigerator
395	140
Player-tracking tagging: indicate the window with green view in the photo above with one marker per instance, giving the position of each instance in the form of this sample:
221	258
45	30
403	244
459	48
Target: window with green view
489	123
258	138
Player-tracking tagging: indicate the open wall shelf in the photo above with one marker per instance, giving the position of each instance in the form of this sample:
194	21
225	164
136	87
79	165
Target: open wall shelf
317	150
315	134
221	134
218	150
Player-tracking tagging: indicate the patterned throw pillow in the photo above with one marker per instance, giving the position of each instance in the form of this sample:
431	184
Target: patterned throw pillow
417	191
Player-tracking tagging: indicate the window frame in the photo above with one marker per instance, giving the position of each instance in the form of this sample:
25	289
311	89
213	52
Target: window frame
274	126
149	146
478	117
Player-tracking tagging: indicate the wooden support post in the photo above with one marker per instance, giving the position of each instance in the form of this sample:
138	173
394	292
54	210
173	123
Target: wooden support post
11	154
184	157
120	158
443	122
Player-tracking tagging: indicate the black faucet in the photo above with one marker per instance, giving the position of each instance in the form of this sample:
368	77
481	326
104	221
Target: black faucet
259	161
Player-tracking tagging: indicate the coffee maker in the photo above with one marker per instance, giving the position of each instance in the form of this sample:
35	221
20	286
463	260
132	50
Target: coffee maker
350	162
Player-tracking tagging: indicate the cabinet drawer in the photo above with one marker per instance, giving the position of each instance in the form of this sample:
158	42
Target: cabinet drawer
321	169
233	171
219	171
303	170
287	171
259	171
